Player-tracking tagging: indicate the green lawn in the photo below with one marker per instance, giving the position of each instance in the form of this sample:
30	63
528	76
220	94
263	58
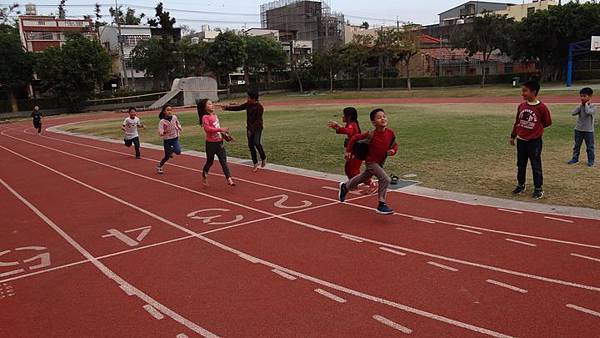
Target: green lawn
461	147
465	91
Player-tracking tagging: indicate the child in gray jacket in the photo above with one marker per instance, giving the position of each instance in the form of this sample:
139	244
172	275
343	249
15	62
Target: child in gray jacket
584	130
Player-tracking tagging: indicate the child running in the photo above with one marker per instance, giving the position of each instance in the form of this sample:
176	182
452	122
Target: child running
130	127
382	143
37	119
169	129
584	130
214	140
532	117
254	127
352	165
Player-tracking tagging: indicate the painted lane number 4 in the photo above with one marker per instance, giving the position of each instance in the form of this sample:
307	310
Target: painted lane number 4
42	259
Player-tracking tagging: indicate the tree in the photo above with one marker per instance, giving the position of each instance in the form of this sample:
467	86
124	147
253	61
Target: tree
364	25
62	12
98	16
409	46
356	55
129	18
263	53
327	63
7	12
193	56
388	48
226	54
157	57
73	72
162	18
16	64
544	37
489	33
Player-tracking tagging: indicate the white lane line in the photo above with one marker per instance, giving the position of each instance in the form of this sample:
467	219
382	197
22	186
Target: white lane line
127	290
330	295
295	191
249	258
103	268
182	335
584	310
392	251
586	257
304	224
351	238
271	265
85	261
508	286
424	220
392	324
442	266
511	211
559	219
283	274
471	231
519	242
153	312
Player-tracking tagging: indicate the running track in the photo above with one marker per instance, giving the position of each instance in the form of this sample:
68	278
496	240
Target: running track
96	244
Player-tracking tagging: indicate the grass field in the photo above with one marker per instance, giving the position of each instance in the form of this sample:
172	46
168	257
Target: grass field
455	92
461	147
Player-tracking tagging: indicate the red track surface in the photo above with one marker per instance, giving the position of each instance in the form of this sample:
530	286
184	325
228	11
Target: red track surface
437	268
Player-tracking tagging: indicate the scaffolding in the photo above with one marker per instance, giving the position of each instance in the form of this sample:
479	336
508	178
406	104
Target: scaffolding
309	20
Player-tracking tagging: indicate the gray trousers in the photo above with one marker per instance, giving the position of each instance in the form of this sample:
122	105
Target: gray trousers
373	169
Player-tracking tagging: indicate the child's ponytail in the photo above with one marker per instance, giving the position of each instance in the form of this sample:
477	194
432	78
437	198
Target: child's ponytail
201	106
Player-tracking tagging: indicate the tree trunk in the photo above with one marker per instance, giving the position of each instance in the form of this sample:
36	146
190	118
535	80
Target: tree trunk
358	80
14	104
246	75
484	71
381	69
330	80
408	83
269	75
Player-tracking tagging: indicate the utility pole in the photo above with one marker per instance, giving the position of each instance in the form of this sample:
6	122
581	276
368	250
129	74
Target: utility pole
121	51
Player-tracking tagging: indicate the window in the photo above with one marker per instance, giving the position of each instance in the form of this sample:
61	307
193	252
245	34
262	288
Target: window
530	11
133	40
40	36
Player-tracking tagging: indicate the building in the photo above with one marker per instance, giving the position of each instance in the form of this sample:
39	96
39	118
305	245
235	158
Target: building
41	32
350	31
206	35
520	12
465	12
273	33
131	35
301	20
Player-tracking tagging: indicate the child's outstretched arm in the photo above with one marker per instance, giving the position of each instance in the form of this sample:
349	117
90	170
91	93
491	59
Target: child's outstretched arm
576	111
353	140
589	109
235	108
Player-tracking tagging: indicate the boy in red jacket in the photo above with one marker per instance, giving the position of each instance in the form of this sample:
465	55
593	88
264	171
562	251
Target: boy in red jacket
382	143
532	117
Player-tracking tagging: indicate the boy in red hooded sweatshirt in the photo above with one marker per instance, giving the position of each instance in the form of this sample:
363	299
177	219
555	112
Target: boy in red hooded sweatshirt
532	117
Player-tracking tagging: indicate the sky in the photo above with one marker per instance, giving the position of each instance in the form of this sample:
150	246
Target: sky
237	14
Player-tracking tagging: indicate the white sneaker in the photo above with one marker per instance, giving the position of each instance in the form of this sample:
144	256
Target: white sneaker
159	170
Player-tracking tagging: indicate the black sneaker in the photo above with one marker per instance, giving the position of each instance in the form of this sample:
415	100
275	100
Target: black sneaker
538	194
519	190
383	209
138	156
343	192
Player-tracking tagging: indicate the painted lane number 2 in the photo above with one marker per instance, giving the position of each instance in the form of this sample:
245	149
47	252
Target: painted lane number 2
281	199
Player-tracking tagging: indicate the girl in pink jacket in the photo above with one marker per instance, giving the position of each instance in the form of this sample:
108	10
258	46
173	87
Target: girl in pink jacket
214	140
169	129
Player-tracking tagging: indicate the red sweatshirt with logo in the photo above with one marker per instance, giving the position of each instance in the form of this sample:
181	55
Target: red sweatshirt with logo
381	142
531	121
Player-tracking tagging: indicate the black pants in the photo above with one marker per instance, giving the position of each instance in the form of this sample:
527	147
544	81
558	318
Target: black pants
254	145
216	148
38	126
530	151
136	143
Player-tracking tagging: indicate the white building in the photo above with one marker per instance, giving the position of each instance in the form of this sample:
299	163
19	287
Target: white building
131	36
